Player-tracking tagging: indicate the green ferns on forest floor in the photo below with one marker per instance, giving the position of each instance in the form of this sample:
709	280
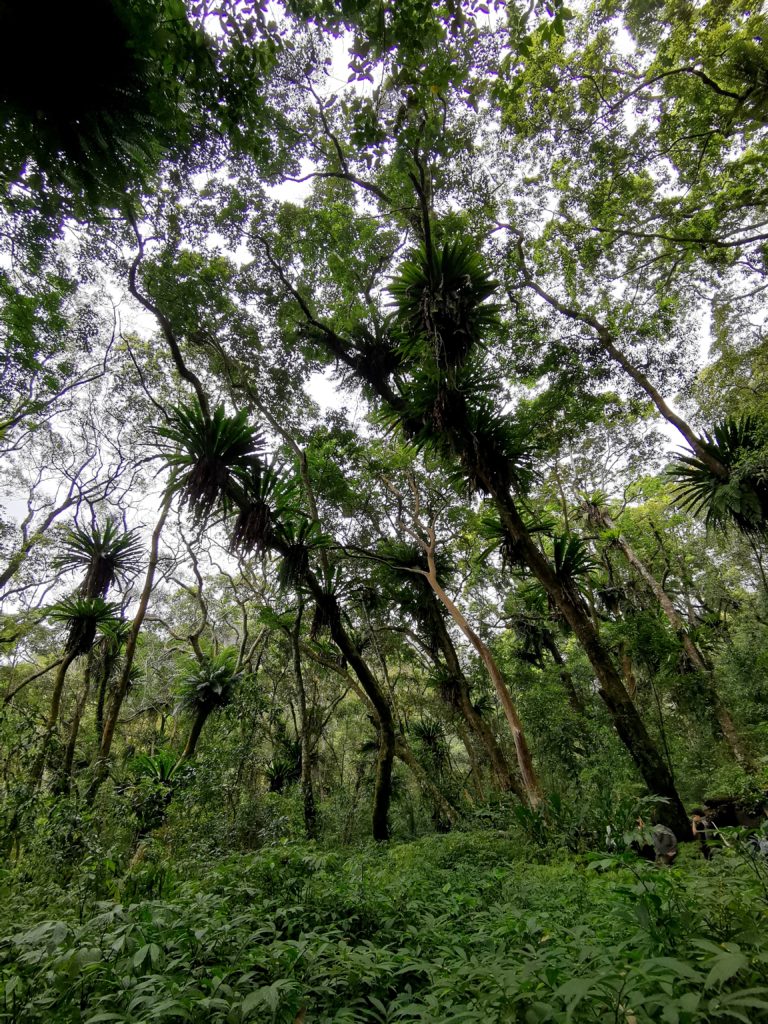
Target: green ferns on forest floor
445	929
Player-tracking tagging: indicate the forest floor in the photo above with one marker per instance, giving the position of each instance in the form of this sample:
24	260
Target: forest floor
464	927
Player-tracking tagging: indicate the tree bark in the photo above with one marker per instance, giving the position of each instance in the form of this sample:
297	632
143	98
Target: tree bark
463	702
382	794
481	467
195	732
100	702
627	721
475	772
406	755
574	697
74	729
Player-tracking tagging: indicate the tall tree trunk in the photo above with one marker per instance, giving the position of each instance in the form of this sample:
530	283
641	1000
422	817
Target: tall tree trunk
574	697
476	774
697	659
382	794
121	689
482	468
38	766
628	671
307	790
629	725
100	702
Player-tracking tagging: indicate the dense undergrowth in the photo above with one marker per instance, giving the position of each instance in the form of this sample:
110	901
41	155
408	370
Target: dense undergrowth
464	927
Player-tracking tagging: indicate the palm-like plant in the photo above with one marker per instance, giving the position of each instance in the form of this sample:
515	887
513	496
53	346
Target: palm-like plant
440	296
741	498
207	686
296	539
214	457
253	525
430	736
572	558
263	498
440	299
106	553
491	528
85	616
528	619
158	767
285	767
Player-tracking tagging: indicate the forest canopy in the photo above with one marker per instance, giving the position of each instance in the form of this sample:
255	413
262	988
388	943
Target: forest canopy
385	454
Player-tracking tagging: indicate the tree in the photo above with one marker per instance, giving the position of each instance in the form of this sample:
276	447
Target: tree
207	685
443	407
106	555
509	238
425	538
214	475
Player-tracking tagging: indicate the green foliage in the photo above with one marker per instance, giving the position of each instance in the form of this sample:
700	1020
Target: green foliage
297	538
741	498
84	616
610	166
252	528
106	554
572	558
158	767
210	683
212	457
458	928
440	297
122	78
152	782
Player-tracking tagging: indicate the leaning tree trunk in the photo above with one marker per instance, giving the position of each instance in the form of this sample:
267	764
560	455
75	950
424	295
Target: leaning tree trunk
525	763
198	724
475	772
730	734
574	697
460	698
382	794
107	657
609	343
441	801
74	729
100	704
481	465
626	718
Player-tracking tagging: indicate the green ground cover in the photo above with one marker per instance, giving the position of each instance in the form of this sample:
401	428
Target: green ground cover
454	928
